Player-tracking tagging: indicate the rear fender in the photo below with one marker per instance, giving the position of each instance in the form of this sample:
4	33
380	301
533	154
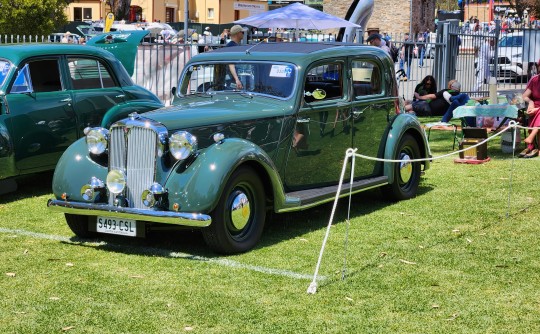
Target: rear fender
198	187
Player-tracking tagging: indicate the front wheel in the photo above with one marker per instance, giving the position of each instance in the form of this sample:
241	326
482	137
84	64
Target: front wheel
79	225
238	219
406	173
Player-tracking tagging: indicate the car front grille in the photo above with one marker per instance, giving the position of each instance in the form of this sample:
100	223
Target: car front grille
133	150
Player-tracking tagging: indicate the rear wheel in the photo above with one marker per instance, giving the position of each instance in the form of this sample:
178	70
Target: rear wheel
79	225
238	220
406	173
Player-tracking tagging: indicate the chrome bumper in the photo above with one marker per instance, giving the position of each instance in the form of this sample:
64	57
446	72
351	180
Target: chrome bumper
166	217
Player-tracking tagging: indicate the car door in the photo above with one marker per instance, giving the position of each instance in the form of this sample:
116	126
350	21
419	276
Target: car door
323	130
41	120
371	105
95	89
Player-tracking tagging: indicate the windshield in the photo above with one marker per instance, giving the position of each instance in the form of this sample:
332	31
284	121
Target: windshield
4	70
273	79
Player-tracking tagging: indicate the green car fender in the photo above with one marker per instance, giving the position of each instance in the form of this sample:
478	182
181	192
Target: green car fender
198	187
122	110
400	125
71	169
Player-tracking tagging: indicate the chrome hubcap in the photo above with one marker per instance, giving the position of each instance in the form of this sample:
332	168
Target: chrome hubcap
405	168
240	211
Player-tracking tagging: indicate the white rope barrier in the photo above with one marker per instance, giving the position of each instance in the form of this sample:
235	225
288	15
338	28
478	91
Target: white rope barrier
352	153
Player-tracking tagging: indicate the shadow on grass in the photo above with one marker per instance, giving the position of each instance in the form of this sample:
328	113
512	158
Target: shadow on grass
29	186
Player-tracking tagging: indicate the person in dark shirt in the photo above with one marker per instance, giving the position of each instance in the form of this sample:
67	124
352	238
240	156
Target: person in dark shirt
434	104
406	56
237	34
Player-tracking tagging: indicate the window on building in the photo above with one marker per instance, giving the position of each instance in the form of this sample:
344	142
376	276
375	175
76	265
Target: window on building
169	14
211	13
77	14
87	13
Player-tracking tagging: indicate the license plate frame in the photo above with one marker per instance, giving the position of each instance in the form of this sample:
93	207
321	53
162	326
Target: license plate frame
116	226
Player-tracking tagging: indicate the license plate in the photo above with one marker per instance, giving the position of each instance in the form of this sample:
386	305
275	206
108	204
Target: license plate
127	227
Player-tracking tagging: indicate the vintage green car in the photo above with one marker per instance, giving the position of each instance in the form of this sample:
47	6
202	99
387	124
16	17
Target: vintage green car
49	93
253	130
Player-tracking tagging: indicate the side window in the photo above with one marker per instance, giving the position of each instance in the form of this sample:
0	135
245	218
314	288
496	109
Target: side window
89	74
366	78
324	82
38	76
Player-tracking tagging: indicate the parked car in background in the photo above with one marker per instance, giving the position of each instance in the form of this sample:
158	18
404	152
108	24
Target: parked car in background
49	93
228	152
517	55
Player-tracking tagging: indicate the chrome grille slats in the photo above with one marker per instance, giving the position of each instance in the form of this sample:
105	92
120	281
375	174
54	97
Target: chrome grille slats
141	158
133	148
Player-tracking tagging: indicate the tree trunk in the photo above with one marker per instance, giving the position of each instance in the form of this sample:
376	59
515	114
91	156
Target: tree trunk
120	9
423	15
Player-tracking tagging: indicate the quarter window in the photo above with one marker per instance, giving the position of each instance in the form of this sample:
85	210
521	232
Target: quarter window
366	78
89	74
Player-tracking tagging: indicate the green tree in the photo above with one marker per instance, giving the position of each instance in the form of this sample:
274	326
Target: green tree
532	6
31	17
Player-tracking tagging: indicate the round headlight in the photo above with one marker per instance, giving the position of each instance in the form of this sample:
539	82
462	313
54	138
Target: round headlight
116	181
182	144
96	140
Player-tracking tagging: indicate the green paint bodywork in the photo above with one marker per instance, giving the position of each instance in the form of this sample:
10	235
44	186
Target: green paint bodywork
37	126
259	130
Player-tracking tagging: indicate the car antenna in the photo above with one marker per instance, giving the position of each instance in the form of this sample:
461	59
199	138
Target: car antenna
248	51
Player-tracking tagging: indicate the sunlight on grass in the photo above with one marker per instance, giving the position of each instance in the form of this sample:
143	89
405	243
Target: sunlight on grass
462	256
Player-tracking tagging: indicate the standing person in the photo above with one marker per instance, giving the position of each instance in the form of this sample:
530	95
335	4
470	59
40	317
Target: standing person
237	34
421	49
224	37
406	56
482	64
531	96
378	41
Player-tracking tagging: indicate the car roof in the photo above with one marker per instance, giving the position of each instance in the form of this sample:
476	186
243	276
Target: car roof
292	52
17	52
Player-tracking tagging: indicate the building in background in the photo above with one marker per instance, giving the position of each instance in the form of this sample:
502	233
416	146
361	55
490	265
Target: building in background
200	11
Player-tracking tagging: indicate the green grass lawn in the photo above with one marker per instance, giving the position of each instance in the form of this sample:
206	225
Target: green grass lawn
461	257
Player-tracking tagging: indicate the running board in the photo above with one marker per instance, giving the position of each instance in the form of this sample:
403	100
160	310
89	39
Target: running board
304	199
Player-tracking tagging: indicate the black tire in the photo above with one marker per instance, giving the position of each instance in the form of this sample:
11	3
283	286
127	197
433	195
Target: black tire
406	174
79	226
224	235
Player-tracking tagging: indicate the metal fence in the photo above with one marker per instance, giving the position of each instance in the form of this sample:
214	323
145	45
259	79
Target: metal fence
450	53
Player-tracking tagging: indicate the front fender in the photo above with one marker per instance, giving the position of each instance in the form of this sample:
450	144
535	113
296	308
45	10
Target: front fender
402	124
122	110
199	187
75	169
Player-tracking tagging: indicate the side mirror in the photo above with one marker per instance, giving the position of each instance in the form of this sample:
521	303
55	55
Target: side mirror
173	91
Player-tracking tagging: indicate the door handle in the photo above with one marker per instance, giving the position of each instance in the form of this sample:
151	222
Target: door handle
303	120
66	100
120	96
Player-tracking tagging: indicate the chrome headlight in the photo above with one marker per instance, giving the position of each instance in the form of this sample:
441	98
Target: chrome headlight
151	195
182	144
96	139
116	181
90	191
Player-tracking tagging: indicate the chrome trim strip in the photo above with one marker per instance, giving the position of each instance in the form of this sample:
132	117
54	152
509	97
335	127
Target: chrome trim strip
166	217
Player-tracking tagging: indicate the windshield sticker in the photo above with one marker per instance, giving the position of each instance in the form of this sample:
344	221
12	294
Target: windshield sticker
281	71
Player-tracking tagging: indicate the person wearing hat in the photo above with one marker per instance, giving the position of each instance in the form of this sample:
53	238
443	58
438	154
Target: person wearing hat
66	38
378	41
236	34
456	99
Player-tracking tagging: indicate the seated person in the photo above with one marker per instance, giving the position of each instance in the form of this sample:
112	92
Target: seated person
433	104
426	86
456	99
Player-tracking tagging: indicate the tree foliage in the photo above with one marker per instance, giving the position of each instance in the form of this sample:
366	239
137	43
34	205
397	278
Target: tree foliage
31	17
120	8
532	6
